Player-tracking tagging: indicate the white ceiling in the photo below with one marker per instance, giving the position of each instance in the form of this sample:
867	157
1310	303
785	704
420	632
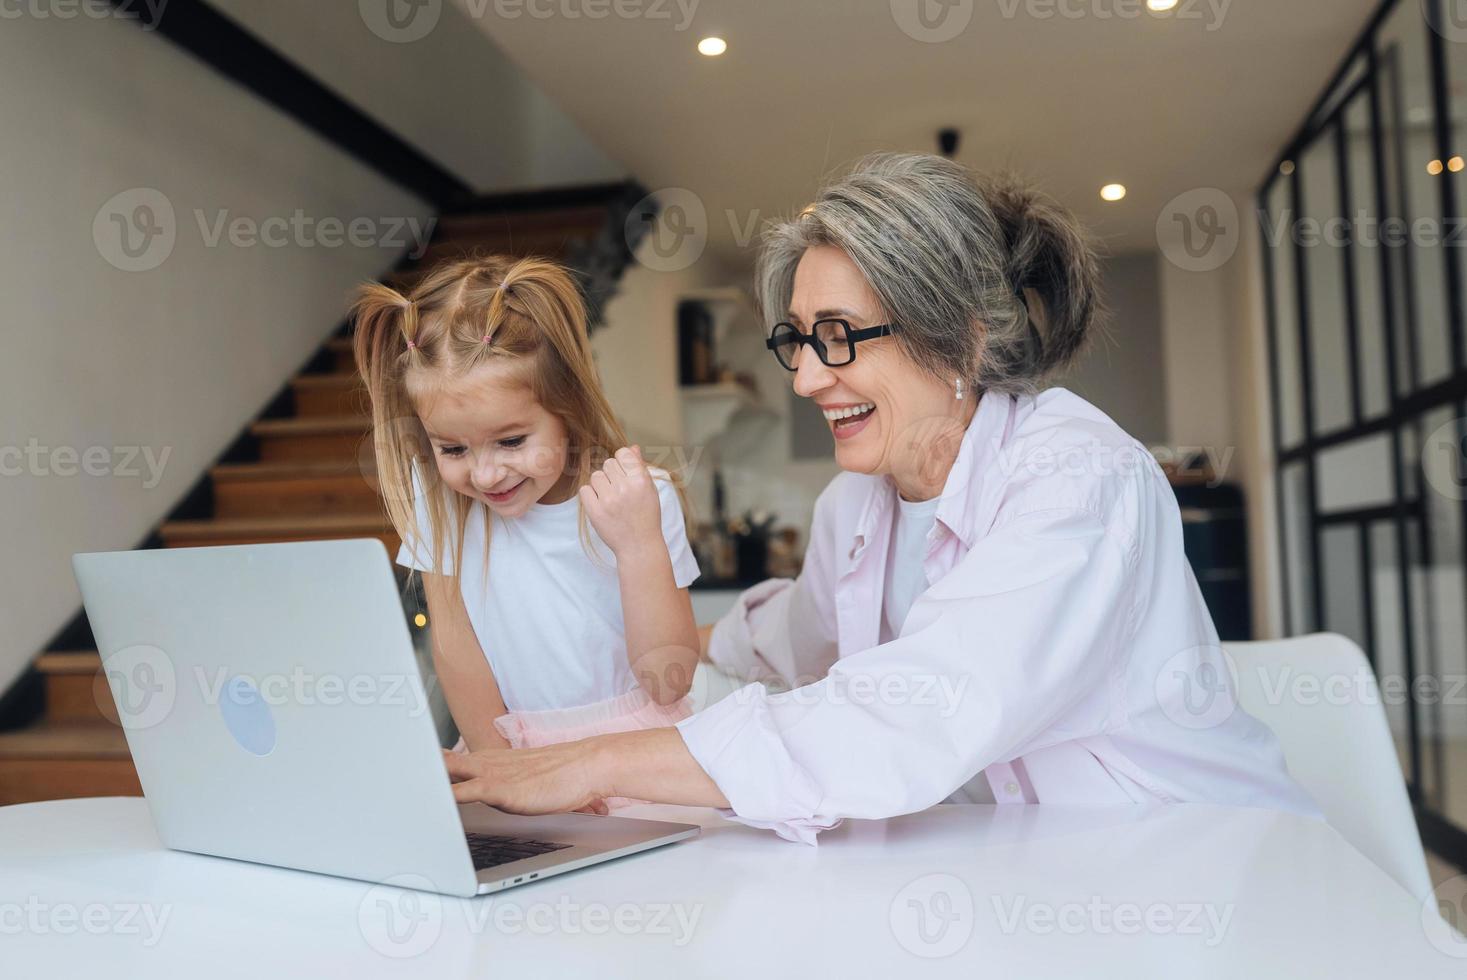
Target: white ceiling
1162	105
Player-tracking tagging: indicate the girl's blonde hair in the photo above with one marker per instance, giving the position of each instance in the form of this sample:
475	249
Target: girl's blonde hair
526	312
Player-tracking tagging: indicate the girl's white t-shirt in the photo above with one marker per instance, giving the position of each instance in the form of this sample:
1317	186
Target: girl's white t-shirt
549	617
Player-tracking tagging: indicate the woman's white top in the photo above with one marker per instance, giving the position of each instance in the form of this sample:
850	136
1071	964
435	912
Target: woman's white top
905	579
548	617
1062	649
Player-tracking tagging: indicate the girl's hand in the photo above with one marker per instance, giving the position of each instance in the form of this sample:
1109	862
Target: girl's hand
621	504
553	779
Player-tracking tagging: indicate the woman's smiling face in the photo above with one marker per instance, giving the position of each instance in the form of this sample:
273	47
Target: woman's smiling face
881	406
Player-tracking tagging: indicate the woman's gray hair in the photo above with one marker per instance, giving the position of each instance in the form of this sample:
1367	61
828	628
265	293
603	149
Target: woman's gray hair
986	279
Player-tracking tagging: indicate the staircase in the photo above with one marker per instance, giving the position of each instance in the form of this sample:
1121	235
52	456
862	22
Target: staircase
303	472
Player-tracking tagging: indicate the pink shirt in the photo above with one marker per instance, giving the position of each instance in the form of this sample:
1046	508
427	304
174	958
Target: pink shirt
1063	648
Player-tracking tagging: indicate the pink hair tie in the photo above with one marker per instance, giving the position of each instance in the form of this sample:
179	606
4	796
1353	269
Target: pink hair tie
412	345
486	339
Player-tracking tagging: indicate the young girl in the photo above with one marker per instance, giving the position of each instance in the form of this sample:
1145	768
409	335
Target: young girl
545	629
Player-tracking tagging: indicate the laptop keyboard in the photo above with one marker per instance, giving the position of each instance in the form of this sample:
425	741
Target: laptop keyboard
489	850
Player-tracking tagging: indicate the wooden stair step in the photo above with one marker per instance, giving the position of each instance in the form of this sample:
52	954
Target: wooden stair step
62	662
259	530
57	761
294	487
314	437
341	393
341	353
76	688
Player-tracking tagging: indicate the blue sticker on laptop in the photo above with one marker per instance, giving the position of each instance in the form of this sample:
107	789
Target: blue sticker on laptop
247	716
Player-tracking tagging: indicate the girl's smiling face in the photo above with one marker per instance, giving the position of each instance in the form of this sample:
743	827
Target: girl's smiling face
494	442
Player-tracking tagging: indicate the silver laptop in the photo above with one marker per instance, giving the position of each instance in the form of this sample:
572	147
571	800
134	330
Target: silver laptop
273	705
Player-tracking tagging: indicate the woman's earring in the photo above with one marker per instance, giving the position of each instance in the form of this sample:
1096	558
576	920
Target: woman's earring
958	389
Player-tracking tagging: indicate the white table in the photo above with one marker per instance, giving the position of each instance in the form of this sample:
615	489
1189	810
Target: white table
1187	891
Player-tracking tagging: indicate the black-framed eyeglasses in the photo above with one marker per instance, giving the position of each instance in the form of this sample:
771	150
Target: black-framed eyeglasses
834	341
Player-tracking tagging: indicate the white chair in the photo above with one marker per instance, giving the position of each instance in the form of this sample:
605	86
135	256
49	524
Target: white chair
1337	743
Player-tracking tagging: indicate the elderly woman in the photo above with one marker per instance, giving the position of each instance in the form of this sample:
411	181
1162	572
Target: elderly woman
995	605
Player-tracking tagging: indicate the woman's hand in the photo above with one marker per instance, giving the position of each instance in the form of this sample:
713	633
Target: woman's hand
621	504
553	779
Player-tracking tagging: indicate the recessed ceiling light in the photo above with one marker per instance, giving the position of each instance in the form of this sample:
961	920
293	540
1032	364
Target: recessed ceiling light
1286	168
712	46
1113	192
1455	165
1434	167
1160	4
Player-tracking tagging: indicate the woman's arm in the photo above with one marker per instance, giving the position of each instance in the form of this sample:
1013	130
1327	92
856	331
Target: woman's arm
468	681
653	764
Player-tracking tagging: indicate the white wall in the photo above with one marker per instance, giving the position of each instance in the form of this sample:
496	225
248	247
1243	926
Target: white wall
1121	372
450	93
177	359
